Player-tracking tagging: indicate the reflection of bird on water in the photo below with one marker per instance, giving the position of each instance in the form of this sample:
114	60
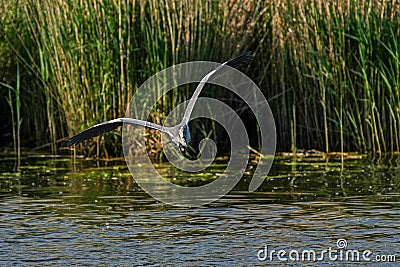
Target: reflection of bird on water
179	134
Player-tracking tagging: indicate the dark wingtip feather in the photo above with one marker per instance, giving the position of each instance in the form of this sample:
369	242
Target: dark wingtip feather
74	140
68	140
241	60
93	131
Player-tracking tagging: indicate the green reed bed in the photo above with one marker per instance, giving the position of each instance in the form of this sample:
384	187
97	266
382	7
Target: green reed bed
336	75
330	69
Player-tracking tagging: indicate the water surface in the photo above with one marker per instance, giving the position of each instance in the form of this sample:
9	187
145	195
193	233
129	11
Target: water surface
57	211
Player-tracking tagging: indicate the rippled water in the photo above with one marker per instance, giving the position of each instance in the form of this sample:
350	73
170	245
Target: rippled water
57	212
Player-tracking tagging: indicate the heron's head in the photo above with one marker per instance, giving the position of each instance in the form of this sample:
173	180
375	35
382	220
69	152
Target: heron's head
180	136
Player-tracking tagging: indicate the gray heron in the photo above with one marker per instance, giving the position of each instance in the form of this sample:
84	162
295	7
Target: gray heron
179	134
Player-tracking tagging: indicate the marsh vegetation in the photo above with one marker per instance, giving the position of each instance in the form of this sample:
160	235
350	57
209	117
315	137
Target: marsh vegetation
330	69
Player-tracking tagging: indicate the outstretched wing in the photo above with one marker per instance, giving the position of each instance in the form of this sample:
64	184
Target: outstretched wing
234	62
108	126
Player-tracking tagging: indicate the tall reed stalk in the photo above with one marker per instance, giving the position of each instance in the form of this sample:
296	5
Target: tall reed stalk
14	103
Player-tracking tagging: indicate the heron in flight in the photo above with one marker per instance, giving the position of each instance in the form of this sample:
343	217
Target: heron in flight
179	134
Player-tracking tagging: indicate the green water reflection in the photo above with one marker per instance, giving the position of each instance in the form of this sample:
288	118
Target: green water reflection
57	211
290	179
